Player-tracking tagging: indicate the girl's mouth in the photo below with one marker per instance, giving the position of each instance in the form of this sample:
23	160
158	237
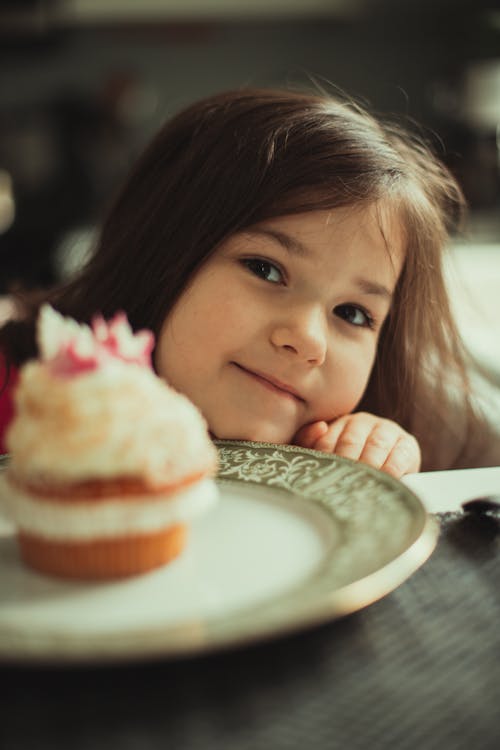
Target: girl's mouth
271	383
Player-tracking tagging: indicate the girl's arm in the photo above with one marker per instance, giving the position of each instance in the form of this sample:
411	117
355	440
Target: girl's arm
365	437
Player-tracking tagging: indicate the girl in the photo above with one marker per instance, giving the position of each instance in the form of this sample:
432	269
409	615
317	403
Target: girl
286	250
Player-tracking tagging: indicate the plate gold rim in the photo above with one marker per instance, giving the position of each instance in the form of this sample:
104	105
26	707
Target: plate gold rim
289	614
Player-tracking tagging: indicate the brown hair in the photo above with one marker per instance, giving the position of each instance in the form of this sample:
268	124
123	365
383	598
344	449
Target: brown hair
239	157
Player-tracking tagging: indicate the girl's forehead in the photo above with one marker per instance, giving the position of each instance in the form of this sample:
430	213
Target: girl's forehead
387	220
378	223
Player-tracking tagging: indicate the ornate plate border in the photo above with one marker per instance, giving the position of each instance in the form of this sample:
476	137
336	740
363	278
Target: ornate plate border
385	535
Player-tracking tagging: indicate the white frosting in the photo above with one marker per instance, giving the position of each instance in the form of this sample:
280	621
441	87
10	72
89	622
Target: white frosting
120	420
98	519
54	331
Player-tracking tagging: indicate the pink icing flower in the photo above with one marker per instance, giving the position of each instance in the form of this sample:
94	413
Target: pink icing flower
71	349
117	338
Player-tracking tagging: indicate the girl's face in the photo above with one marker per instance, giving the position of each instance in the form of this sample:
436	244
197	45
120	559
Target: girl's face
280	327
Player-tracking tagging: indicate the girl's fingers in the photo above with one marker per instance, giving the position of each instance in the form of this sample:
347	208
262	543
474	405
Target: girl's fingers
404	458
346	437
377	442
309	434
380	444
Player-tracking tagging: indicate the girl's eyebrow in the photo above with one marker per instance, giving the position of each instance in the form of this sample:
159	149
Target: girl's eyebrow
291	244
295	247
372	287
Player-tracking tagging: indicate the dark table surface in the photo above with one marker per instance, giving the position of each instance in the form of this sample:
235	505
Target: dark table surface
417	669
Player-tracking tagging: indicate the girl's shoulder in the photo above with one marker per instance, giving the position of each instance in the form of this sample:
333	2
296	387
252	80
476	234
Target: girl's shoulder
8	379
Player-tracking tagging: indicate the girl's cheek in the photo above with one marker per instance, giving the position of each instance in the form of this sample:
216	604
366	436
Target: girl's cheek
344	386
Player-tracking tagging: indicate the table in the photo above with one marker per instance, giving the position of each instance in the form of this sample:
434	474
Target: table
417	669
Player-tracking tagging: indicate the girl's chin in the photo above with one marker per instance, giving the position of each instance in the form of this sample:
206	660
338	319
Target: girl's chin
253	436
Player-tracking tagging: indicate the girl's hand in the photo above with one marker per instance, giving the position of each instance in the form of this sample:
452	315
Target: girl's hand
364	437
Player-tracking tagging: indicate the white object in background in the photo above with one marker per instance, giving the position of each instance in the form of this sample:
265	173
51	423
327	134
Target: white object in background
473	280
482	94
442	491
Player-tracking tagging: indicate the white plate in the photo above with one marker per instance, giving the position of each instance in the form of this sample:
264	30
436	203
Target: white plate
298	538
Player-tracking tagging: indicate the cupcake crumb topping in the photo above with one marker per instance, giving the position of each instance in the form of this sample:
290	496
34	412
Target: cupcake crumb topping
92	408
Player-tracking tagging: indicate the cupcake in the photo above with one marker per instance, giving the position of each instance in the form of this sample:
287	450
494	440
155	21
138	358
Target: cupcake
108	463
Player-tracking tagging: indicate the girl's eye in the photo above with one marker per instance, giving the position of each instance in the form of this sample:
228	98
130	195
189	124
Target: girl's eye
264	270
354	315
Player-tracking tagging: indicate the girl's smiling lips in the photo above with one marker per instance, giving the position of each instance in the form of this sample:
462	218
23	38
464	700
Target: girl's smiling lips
272	383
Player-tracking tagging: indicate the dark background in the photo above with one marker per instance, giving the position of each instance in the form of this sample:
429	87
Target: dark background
81	90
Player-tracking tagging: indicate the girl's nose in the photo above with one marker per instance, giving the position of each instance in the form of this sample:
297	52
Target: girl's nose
303	335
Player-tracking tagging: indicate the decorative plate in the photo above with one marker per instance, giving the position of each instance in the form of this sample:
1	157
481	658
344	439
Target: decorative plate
298	538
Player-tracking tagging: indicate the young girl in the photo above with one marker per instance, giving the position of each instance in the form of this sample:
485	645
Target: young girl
286	250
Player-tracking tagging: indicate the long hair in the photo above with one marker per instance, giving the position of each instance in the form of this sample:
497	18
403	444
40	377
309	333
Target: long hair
239	157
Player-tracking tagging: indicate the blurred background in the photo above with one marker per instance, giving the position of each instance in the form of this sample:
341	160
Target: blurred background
84	83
